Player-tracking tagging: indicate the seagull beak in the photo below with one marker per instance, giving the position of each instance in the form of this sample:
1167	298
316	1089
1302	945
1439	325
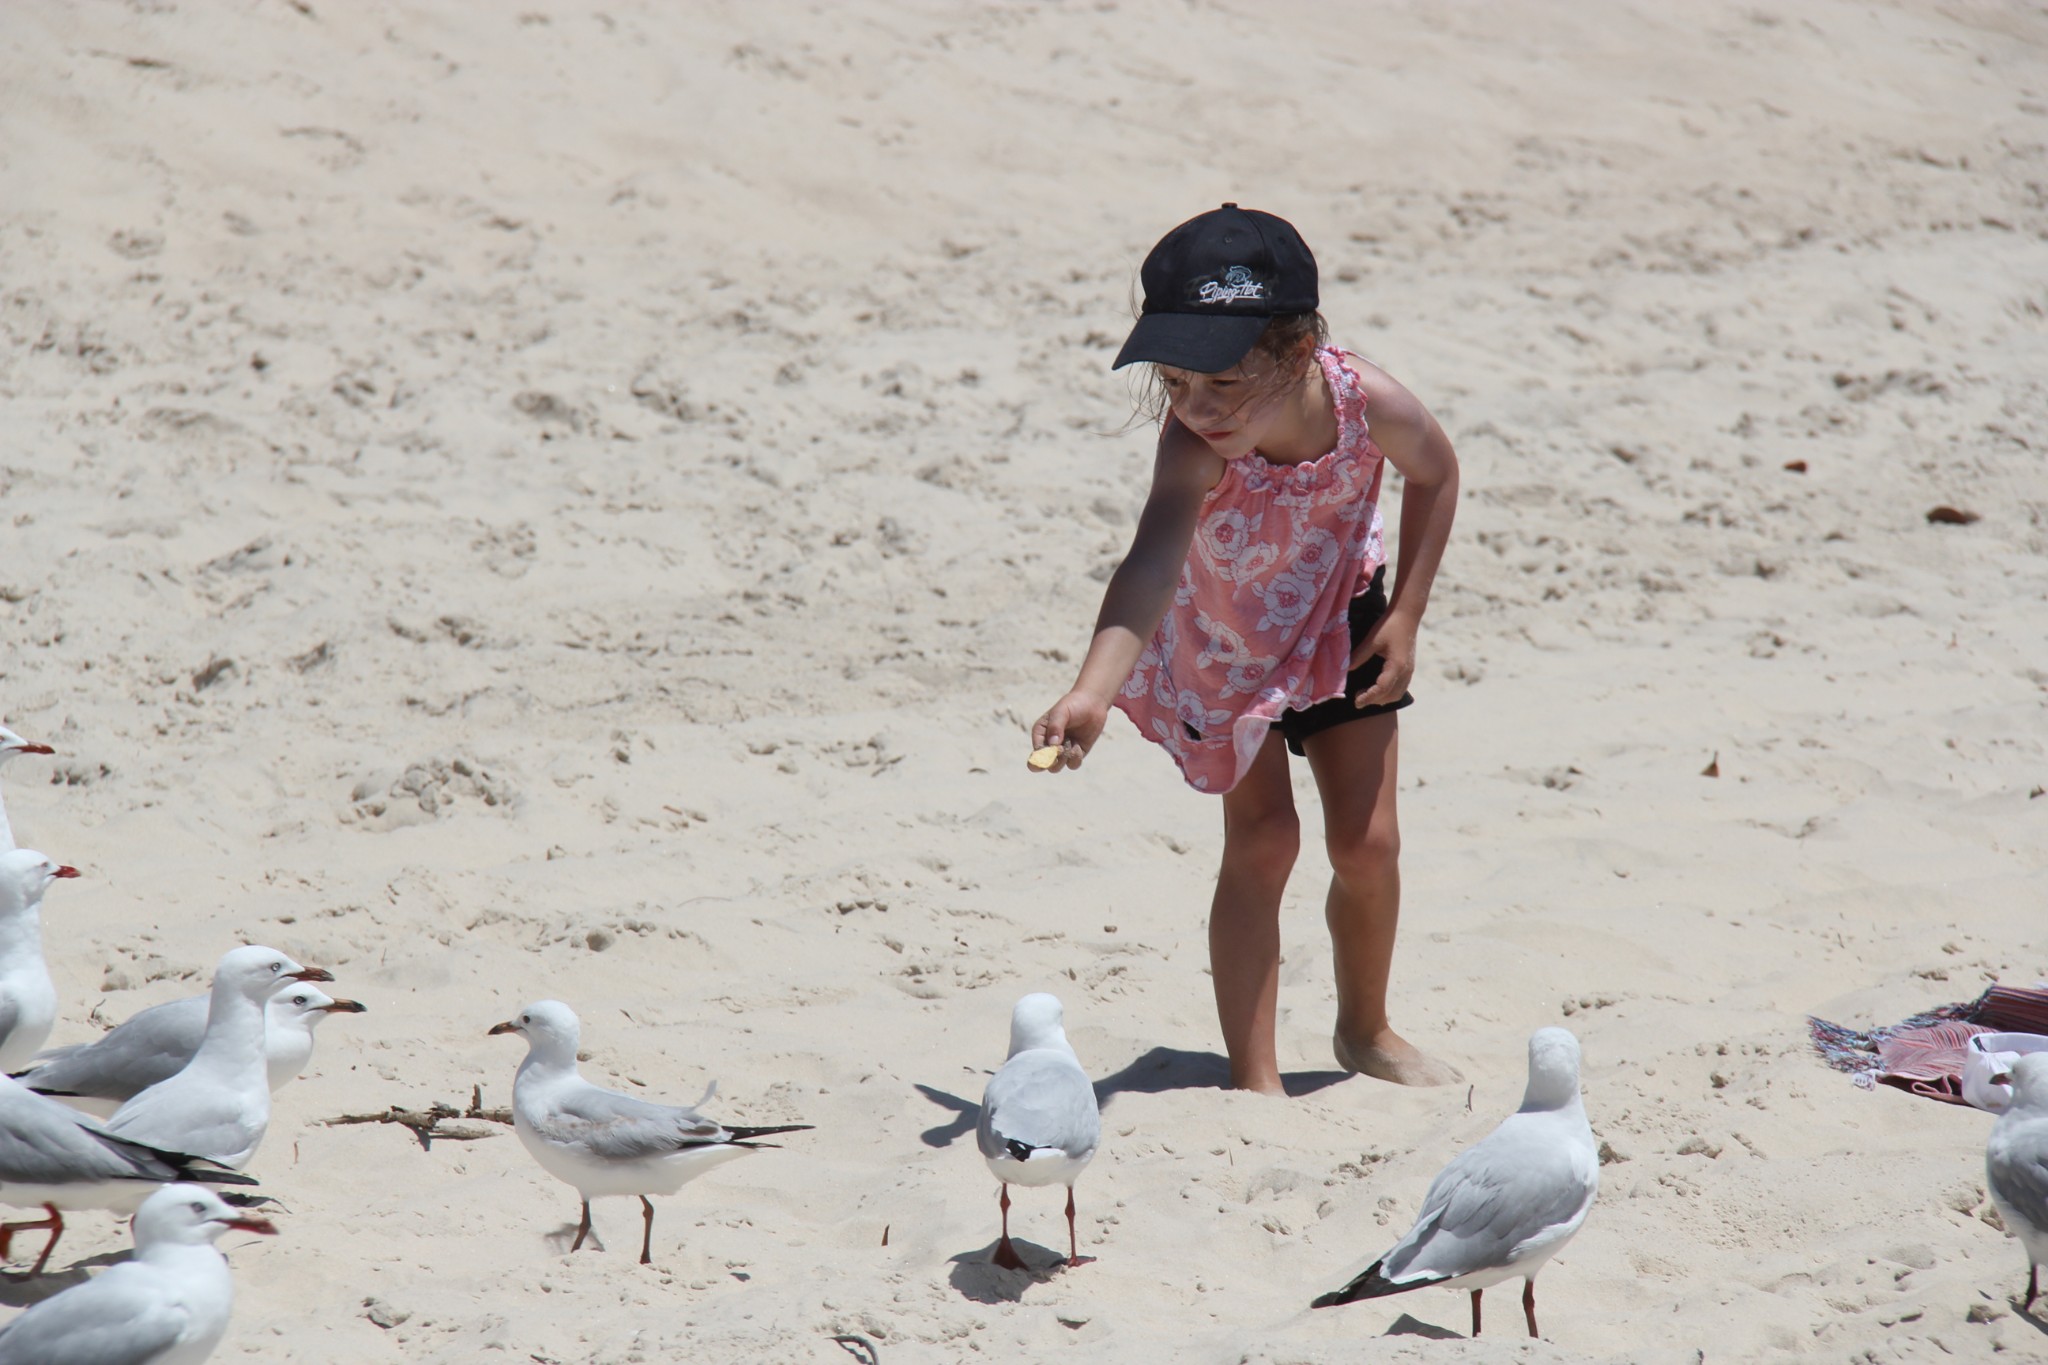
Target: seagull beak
35	749
507	1027
310	974
344	1007
67	871
262	1225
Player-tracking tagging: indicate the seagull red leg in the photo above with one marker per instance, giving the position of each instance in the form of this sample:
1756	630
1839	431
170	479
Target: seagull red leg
647	1235
1074	1256
1529	1304
1006	1255
54	1222
1475	1310
582	1229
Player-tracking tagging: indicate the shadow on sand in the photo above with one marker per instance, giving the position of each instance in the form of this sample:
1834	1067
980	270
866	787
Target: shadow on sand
1160	1070
980	1279
1173	1068
1405	1326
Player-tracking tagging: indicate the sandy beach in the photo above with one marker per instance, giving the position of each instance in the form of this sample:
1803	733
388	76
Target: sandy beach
585	502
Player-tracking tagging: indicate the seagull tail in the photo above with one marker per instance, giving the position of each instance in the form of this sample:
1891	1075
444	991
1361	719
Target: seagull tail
745	1135
1371	1285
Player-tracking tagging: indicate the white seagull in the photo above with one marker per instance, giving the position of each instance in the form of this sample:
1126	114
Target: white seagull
55	1158
28	998
12	746
2016	1165
167	1306
155	1044
1039	1120
603	1142
219	1105
1507	1203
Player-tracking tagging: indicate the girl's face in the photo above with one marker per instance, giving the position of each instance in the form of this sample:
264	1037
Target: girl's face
1234	410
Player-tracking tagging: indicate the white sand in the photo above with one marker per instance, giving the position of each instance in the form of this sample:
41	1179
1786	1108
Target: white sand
628	476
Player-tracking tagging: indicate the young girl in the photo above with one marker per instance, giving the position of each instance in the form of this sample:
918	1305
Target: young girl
1253	597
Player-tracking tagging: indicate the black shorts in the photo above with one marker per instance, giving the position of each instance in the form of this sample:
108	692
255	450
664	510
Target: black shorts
1366	610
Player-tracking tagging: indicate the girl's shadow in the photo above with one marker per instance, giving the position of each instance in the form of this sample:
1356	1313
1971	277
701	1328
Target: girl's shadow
1161	1069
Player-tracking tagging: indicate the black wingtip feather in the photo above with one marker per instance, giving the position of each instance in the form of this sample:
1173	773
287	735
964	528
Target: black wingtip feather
1370	1285
743	1134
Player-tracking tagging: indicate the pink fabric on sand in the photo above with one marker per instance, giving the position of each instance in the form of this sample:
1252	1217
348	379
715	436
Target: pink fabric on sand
1259	622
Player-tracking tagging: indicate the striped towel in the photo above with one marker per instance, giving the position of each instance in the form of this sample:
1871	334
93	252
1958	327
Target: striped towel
1924	1055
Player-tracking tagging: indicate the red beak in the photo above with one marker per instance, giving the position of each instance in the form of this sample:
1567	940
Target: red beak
345	1007
35	749
310	974
262	1225
67	871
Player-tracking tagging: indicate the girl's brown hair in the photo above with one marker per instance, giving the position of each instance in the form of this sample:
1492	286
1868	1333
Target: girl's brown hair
1290	341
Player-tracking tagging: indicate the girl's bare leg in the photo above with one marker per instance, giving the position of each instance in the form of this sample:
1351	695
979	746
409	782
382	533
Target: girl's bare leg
1355	766
1261	835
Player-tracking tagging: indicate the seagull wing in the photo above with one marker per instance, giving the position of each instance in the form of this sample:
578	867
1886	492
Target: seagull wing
186	1118
151	1046
2016	1165
116	1319
615	1127
1041	1099
43	1143
1493	1200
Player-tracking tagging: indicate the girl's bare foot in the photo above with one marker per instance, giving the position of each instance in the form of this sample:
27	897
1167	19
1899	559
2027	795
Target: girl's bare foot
1391	1057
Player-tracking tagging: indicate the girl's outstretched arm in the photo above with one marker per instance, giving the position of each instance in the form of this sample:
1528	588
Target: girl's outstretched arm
1414	444
1137	596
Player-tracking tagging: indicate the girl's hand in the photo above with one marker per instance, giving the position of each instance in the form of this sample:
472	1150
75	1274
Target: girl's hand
1073	725
1393	639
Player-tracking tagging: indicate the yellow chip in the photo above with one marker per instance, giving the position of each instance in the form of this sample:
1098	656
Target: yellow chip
1043	759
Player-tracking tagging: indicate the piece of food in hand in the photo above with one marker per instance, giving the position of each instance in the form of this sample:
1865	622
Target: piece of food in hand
1041	760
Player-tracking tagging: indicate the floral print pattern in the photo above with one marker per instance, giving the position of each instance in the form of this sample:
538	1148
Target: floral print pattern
1259	623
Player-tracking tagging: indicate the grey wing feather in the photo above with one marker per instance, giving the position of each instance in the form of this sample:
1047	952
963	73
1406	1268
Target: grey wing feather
1487	1204
107	1321
181	1120
2017	1170
619	1127
42	1143
151	1046
1041	1099
10	1015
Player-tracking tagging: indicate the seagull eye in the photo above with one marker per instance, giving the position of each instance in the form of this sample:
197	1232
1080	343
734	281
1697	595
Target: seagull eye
300	999
199	1209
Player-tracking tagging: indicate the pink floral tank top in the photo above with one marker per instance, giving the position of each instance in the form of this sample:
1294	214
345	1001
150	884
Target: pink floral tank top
1259	623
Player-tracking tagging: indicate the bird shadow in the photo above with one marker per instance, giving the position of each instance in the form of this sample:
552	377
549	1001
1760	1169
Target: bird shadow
966	1113
23	1291
982	1280
2038	1323
562	1238
1174	1068
1405	1326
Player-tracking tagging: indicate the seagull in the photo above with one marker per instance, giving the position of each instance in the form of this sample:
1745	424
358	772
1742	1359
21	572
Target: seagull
28	998
1039	1119
603	1142
167	1306
154	1045
11	747
219	1104
55	1158
2016	1164
1506	1204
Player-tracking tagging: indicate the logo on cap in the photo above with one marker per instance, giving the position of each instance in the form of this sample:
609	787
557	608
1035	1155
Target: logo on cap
1237	283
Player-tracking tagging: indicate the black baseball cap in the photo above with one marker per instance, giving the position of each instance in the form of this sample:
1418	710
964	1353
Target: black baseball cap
1211	286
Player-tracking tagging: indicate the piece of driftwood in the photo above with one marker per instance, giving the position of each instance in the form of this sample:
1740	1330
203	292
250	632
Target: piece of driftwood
439	1119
